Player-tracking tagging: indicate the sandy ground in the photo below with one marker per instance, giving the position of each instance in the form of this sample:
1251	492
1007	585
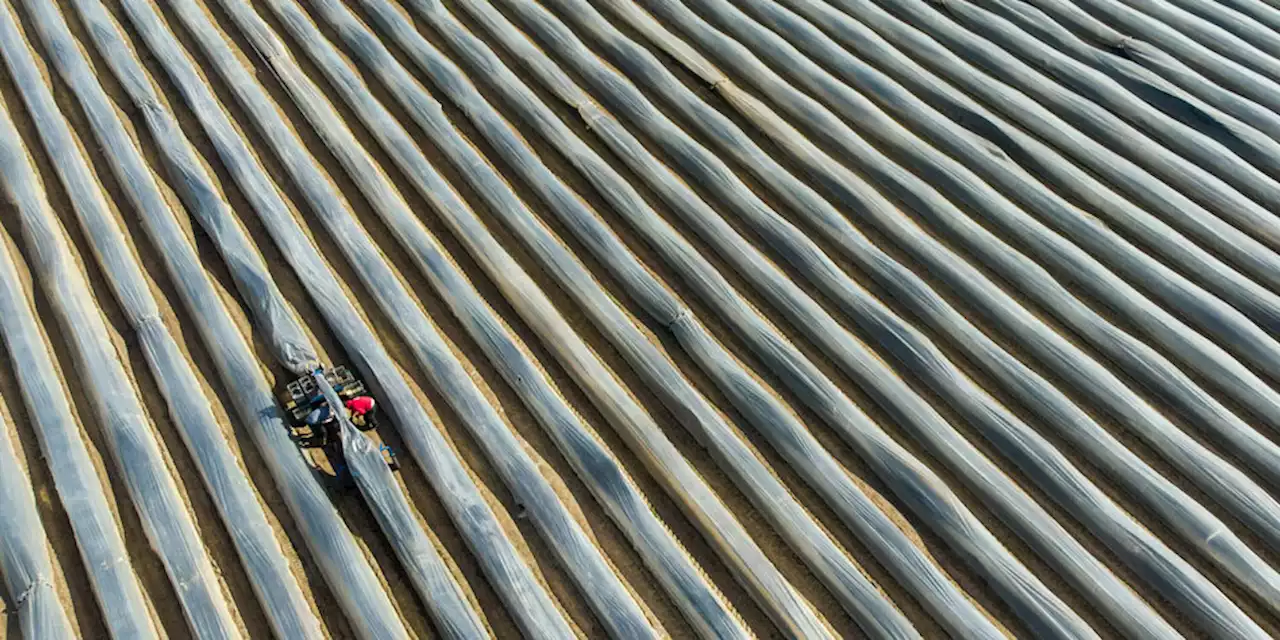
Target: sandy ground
70	578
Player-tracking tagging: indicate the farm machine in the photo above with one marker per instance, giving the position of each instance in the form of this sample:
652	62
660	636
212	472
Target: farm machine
314	420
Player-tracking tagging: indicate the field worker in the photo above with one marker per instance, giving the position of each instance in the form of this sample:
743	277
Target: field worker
362	409
319	419
317	416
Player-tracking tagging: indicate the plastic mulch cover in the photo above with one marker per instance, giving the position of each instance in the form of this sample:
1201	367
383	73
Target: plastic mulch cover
1155	562
684	401
169	526
594	464
99	540
24	553
528	601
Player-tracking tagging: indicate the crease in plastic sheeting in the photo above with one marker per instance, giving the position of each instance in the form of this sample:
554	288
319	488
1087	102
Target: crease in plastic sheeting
75	478
1194	303
1202	37
1203	186
1216	142
24	555
529	602
1142	82
1252	22
1000	97
1200	306
1171	206
1184	95
674	390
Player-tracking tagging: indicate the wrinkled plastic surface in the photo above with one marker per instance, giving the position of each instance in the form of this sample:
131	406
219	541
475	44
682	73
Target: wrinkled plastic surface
168	525
24	552
525	597
254	539
1209	76
971	161
613	604
1216	141
1073	265
762	409
454	616
1198	183
1252	20
1248	21
1163	200
1221	145
1134	64
1153	232
1188	35
99	540
1155	372
906	475
1155	562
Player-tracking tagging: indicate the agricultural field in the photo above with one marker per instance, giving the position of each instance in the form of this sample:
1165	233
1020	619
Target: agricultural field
680	318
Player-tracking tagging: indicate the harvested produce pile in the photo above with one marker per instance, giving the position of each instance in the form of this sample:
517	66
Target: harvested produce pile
695	318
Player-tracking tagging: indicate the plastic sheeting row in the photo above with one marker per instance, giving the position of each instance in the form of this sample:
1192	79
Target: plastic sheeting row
326	535
1165	38
134	448
761	408
1179	510
24	555
879	36
621	499
75	478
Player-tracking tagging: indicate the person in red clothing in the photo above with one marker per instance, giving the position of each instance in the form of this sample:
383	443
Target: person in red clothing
362	410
